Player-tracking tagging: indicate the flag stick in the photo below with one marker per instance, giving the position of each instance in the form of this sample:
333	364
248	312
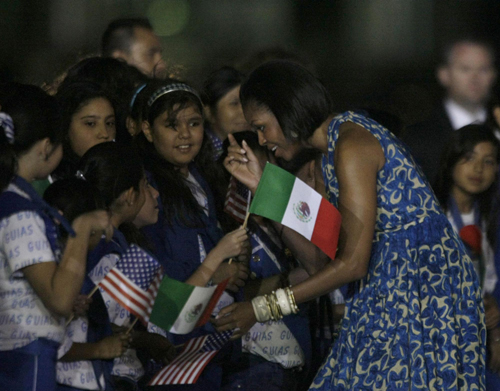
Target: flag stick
88	297
132	325
244	227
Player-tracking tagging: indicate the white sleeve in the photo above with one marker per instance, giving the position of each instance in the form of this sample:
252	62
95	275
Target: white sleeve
23	240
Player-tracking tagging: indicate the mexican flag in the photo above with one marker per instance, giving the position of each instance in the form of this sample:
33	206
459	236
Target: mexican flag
284	198
180	308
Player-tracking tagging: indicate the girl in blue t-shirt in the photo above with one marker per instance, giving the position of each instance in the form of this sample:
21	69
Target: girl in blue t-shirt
38	282
187	238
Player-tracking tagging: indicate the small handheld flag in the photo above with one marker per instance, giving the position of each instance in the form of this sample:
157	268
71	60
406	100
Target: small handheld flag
133	282
188	365
286	199
180	308
237	200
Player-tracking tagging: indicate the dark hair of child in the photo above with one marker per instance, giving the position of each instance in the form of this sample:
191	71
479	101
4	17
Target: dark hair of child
72	97
219	83
73	197
35	116
177	199
461	144
118	79
112	168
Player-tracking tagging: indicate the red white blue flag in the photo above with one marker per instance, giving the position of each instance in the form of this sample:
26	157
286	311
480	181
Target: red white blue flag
134	281
194	357
237	200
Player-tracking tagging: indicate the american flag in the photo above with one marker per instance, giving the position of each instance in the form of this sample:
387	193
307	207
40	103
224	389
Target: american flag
134	281
188	365
237	200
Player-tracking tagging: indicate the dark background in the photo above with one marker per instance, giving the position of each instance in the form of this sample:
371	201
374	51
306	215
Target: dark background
377	53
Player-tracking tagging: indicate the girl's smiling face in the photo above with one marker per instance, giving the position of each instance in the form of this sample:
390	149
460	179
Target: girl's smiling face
475	172
178	141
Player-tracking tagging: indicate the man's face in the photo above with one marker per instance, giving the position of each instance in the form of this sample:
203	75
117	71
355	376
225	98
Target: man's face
145	53
469	74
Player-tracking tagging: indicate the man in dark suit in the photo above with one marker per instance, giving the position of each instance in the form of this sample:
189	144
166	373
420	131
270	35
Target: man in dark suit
467	73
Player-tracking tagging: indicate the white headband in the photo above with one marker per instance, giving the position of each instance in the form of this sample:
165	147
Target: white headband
8	126
172	88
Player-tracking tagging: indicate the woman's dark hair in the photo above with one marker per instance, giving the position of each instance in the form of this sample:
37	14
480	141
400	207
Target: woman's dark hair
118	79
218	84
72	97
304	156
35	116
298	100
73	197
112	169
461	144
177	199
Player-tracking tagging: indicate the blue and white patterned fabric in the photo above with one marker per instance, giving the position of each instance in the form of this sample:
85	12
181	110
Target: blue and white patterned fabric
416	321
28	236
217	143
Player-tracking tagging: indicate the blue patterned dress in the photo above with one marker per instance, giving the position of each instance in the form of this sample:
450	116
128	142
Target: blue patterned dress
416	321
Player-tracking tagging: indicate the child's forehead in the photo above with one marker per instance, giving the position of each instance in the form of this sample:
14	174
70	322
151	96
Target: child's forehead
182	110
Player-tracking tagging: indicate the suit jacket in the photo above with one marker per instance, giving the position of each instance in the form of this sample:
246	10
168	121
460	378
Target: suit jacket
427	140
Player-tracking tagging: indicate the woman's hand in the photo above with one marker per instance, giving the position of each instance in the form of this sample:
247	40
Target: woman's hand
242	163
239	317
237	273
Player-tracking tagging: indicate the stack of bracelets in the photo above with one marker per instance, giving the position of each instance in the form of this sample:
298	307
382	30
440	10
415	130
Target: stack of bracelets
275	305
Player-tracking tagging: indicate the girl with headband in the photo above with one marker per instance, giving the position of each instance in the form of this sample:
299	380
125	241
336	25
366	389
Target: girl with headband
38	281
187	238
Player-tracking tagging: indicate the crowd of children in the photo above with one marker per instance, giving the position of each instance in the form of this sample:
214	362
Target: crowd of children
114	161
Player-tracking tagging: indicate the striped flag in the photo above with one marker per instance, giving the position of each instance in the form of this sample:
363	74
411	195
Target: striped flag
286	199
194	357
134	282
237	200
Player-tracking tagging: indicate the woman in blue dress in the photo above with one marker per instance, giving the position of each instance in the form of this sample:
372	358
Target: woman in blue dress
414	317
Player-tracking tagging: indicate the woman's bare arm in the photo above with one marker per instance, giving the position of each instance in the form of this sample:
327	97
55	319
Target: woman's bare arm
358	159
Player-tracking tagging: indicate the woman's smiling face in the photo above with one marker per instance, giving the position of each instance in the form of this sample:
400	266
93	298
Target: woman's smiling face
263	121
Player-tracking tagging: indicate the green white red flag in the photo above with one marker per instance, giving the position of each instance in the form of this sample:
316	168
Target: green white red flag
180	308
286	199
